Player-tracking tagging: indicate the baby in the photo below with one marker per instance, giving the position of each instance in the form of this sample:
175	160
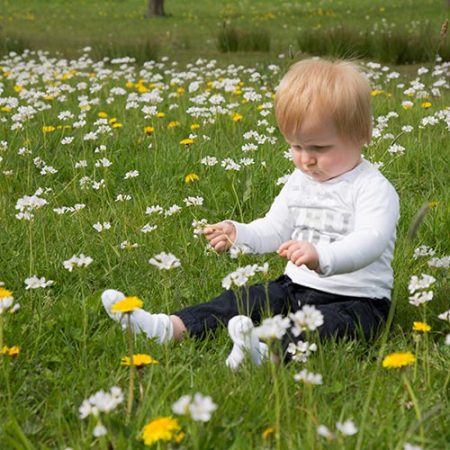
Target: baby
334	221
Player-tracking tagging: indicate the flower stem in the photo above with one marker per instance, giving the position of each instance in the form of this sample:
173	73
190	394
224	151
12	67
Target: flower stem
416	407
276	389
237	200
132	368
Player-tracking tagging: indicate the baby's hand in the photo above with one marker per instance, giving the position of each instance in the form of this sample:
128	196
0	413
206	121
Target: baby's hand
220	235
300	252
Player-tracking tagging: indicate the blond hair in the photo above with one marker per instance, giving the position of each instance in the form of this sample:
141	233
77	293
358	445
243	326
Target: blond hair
323	88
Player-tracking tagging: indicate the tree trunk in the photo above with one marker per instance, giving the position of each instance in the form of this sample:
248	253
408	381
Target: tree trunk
155	8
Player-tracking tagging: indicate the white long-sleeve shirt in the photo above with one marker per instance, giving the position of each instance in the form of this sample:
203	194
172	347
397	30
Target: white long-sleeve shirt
350	219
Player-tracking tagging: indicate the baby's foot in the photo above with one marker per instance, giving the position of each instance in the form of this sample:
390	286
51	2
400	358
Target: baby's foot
157	326
240	329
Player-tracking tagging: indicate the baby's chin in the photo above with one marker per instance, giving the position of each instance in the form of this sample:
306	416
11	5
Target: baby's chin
316	175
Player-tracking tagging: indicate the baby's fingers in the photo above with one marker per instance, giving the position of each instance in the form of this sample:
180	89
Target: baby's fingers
284	247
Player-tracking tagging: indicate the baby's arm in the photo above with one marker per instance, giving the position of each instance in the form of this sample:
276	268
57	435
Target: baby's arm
261	236
376	215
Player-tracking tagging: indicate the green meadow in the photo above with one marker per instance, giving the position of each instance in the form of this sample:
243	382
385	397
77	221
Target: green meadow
112	154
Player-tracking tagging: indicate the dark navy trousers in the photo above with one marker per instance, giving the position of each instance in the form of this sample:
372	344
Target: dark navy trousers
344	316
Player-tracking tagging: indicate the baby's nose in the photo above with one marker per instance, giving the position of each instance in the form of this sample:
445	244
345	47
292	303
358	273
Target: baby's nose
307	158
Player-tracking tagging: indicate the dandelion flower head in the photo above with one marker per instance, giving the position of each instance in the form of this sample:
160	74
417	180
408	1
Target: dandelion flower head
140	359
163	428
398	359
127	305
421	327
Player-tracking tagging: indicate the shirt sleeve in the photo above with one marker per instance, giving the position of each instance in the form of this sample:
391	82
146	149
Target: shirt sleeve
268	233
377	211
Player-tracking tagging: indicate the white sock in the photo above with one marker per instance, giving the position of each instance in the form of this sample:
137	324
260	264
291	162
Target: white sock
240	329
157	326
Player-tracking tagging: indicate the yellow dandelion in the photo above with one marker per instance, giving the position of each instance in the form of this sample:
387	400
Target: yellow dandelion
191	177
140	359
142	89
433	204
6	109
5	293
398	359
268	433
173	124
149	130
180	91
48	128
48	97
102	115
376	92
187	141
160	115
236	117
10	351
164	428
421	327
425	105
129	84
195	126
127	305
18	88
117	125
179	437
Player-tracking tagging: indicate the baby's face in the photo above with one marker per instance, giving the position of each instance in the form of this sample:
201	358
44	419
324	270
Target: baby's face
318	150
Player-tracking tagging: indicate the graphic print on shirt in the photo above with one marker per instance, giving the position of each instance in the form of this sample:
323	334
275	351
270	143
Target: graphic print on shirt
318	215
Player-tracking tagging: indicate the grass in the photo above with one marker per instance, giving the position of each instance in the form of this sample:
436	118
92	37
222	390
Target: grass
390	45
70	349
197	28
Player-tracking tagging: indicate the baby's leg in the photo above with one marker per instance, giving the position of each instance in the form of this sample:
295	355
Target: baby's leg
159	326
253	301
